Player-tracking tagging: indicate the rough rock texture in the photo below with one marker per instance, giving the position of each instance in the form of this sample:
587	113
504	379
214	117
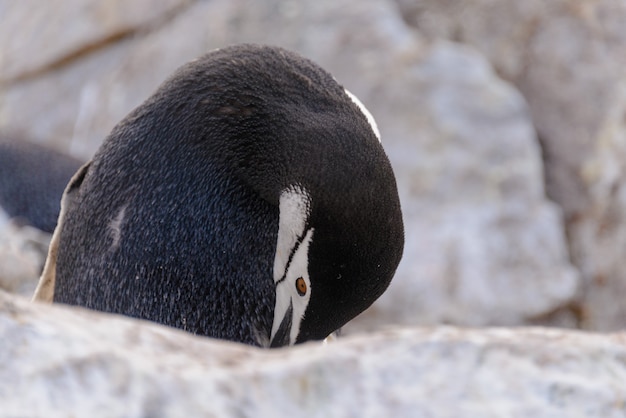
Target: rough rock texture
568	60
22	254
469	171
483	244
34	40
60	361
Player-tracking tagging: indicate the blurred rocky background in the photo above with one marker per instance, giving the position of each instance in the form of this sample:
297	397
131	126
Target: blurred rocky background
504	121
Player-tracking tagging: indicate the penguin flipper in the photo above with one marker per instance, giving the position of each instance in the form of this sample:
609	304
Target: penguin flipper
45	287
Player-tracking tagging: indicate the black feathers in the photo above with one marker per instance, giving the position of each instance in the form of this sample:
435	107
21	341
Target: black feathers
176	218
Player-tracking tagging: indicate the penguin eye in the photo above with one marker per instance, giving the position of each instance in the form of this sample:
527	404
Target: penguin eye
301	286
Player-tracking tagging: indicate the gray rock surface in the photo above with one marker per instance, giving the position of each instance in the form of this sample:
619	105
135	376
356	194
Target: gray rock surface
567	59
22	254
35	40
61	361
484	246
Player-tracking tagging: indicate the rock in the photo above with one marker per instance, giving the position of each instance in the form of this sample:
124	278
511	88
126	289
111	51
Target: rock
568	61
23	251
62	361
469	171
60	31
483	244
39	45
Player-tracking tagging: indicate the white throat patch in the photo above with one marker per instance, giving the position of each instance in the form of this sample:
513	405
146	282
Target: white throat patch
294	209
366	112
291	273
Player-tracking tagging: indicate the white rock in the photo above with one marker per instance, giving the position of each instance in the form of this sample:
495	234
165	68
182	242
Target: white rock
59	361
568	60
60	29
484	246
22	253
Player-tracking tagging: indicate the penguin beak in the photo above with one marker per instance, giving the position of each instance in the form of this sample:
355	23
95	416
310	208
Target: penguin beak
281	338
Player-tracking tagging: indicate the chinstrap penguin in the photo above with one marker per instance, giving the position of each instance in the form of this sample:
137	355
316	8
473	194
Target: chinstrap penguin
248	199
32	179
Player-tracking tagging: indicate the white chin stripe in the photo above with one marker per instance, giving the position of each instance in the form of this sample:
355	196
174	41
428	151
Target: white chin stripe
291	263
366	112
287	294
294	209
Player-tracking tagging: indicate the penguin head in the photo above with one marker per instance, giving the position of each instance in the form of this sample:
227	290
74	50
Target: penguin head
340	232
334	258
